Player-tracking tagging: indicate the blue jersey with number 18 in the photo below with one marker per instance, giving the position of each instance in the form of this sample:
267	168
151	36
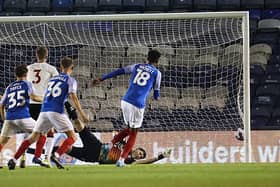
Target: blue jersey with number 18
59	87
143	78
16	98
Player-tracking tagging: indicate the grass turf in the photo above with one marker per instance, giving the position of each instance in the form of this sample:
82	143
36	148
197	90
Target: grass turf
191	175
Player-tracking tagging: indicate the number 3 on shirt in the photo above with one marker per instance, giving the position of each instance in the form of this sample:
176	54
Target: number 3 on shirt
37	75
54	89
141	78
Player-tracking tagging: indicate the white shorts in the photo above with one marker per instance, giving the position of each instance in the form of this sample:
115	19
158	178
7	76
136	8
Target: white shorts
47	120
11	127
133	116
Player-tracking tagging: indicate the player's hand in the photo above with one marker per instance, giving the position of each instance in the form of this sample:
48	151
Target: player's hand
96	81
167	153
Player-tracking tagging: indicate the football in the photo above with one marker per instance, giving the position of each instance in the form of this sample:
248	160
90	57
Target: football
239	134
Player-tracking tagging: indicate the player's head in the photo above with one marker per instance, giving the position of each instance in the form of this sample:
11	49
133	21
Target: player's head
42	54
66	65
153	56
138	153
21	71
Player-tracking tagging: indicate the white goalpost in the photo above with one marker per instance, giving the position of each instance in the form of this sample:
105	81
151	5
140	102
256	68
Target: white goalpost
205	93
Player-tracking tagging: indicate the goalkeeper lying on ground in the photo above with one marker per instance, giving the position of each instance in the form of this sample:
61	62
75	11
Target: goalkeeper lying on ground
95	151
104	153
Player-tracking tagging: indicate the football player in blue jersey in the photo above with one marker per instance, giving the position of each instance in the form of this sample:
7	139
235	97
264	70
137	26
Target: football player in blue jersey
144	78
52	114
16	98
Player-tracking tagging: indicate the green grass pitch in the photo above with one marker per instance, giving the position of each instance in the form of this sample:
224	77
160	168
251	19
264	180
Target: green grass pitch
161	175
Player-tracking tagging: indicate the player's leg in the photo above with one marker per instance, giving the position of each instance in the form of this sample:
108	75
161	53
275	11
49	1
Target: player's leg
41	126
3	141
21	137
62	124
8	130
34	112
130	142
48	142
65	146
28	124
126	116
22	148
88	139
49	145
133	117
78	152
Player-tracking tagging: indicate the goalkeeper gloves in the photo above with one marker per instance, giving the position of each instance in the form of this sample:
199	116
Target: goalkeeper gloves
120	144
165	154
71	111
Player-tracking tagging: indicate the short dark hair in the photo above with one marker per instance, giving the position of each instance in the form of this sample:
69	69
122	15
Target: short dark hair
42	53
153	56
144	152
66	62
21	70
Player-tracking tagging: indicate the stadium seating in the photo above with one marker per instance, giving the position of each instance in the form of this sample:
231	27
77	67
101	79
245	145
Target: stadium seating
272	4
134	5
274	59
275	118
255	14
4	13
85	5
38	5
273	69
62	5
202	5
157	5
255	4
261	48
14	5
110	5
269	24
182	4
228	5
271	14
34	13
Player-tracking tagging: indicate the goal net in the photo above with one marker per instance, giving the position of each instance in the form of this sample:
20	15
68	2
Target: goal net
203	74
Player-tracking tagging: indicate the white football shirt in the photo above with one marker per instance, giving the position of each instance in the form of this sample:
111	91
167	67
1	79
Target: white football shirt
39	74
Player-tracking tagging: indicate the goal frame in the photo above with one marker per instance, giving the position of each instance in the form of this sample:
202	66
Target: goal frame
239	14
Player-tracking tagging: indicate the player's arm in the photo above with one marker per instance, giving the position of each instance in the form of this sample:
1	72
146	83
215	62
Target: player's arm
54	71
36	97
73	97
32	94
120	71
161	156
157	86
2	106
2	112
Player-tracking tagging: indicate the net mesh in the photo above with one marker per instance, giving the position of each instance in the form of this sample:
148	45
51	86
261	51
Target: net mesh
201	67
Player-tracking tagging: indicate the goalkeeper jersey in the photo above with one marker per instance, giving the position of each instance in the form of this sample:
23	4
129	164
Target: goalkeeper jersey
110	155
